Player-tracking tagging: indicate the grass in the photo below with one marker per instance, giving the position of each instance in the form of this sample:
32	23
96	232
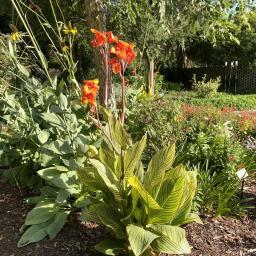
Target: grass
221	100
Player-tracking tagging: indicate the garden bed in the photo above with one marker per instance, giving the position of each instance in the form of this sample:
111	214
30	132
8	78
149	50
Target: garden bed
217	237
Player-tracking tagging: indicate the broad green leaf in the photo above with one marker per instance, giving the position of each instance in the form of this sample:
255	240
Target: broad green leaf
108	132
62	197
81	143
90	214
64	180
160	162
172	240
146	197
22	69
47	158
183	210
192	217
139	238
132	156
63	101
108	216
108	158
33	234
175	173
188	196
110	247
54	120
43	136
41	213
89	176
60	147
135	198
169	198
108	177
137	213
121	136
56	226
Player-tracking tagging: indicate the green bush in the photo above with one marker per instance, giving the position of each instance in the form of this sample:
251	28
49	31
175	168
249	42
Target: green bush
159	119
205	88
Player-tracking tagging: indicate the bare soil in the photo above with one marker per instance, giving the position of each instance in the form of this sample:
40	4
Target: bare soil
217	237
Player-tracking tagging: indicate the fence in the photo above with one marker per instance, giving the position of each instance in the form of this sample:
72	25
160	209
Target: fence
233	79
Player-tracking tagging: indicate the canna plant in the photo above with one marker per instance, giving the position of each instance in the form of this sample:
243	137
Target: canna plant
116	54
143	209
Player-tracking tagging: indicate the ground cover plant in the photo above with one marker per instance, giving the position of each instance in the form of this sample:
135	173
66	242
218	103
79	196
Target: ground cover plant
113	149
220	100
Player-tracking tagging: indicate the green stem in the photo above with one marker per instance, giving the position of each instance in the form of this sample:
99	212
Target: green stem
122	115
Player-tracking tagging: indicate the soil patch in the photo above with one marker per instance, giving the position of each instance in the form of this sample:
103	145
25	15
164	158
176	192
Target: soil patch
217	237
75	239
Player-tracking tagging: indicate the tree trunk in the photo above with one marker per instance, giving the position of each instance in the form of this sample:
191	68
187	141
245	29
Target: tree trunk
151	79
95	18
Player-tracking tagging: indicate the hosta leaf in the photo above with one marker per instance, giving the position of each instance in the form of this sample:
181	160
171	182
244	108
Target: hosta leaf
62	197
173	240
169	198
132	156
64	180
146	197
41	213
139	238
110	247
160	162
56	226
33	234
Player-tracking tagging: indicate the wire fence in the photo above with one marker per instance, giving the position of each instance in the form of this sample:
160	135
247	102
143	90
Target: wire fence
237	80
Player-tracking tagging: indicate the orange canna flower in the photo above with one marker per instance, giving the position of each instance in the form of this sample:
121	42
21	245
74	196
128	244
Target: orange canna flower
90	86
89	99
124	51
111	38
100	38
89	91
116	66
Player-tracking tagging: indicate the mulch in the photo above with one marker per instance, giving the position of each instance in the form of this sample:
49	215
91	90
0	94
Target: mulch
217	237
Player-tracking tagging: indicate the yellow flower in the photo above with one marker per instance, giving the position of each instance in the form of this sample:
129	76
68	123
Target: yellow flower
15	36
69	29
64	48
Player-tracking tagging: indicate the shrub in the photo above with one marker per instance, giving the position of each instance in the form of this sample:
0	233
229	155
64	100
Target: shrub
206	88
160	119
